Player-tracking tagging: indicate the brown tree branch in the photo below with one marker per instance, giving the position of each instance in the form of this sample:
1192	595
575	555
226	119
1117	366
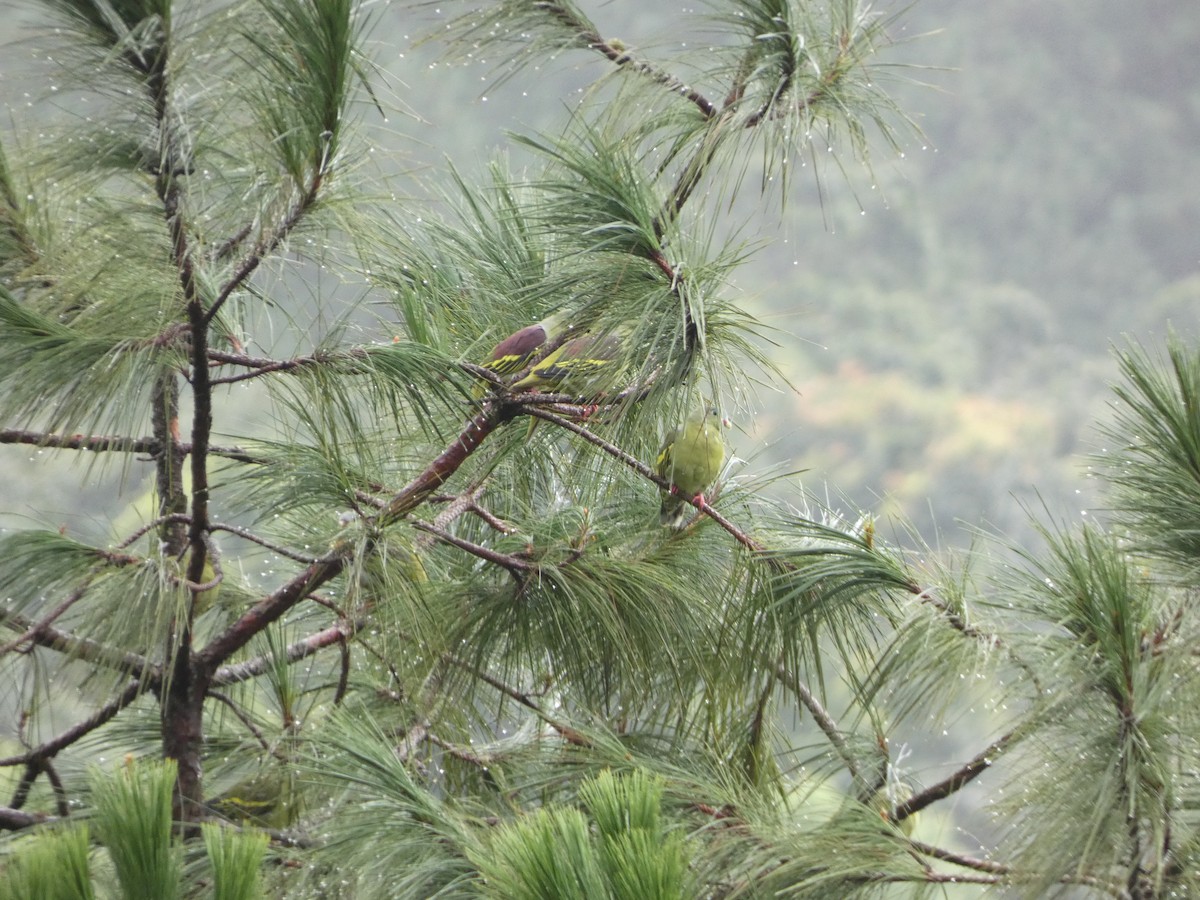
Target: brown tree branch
972	769
822	717
297	650
94	443
1000	869
417	491
30	633
243	717
112	443
266	611
618	54
87	649
259	365
515	565
103	715
24	785
266	245
329	566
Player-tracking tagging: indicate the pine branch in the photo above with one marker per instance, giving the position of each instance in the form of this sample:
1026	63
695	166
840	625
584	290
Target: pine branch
467	756
960	859
37	627
822	717
959	624
114	443
619	55
1000	869
568	733
259	365
102	716
294	652
25	785
60	792
417	491
266	611
517	566
267	245
94	443
327	567
244	718
45	635
468	501
975	767
247	535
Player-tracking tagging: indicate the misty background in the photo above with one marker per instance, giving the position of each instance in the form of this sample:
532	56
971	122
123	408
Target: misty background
946	317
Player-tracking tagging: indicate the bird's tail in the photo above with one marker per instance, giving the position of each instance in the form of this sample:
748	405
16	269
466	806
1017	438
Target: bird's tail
673	512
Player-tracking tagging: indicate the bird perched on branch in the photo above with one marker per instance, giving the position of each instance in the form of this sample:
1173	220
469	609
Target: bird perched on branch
582	365
517	350
690	459
203	600
266	799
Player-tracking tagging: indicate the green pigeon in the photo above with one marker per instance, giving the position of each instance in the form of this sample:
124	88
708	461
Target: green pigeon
690	459
580	366
516	351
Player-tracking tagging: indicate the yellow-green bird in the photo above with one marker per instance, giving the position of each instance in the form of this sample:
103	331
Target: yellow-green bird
517	350
205	599
690	459
267	799
581	365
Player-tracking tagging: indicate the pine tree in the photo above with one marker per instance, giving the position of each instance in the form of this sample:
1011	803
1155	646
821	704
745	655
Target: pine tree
365	605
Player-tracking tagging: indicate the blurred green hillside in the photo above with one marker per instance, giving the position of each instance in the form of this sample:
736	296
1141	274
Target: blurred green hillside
946	319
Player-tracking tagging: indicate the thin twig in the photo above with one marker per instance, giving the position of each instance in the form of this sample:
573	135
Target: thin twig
514	564
177	518
258	366
74	597
264	247
244	718
619	55
1000	869
960	859
959	624
822	717
247	535
483	762
569	734
468	501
